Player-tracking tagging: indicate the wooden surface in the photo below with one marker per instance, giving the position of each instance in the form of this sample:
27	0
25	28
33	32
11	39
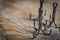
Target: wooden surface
16	25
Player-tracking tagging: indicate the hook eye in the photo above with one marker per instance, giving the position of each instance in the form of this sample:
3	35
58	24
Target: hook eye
41	0
55	4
